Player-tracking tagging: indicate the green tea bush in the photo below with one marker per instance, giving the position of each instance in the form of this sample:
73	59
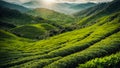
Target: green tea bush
112	61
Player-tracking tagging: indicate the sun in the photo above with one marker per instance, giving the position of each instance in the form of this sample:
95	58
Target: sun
49	1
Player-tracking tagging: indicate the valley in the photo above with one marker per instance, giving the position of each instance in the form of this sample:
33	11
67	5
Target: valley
45	38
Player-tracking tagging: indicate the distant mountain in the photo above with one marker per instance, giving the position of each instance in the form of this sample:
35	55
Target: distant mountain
17	18
103	8
32	4
91	10
13	6
82	5
69	8
66	8
96	12
52	15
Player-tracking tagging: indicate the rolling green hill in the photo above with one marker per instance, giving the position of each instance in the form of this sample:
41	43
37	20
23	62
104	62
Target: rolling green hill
92	46
64	22
35	31
29	31
13	20
66	50
52	27
17	18
89	15
59	18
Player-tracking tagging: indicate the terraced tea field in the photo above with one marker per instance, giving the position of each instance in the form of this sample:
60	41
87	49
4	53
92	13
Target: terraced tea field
95	46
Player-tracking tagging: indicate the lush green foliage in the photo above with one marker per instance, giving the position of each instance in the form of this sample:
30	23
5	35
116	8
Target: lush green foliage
17	18
29	32
74	47
4	34
13	18
90	15
96	45
35	31
112	61
52	15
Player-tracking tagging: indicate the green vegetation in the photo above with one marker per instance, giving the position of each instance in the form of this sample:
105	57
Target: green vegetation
59	18
112	61
74	47
6	26
17	22
96	44
17	18
35	31
29	32
90	15
4	34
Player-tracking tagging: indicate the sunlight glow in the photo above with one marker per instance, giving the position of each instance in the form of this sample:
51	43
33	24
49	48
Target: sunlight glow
49	1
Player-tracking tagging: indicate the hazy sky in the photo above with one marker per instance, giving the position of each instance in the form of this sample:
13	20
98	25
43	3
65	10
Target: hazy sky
81	1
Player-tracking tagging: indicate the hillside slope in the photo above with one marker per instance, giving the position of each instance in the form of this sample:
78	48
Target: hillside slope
96	44
17	22
89	15
17	18
52	15
35	31
92	10
66	50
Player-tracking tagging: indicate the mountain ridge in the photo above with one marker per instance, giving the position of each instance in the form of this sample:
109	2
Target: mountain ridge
13	6
60	7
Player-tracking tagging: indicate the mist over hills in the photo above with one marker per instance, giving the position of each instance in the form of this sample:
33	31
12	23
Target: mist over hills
66	8
61	1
